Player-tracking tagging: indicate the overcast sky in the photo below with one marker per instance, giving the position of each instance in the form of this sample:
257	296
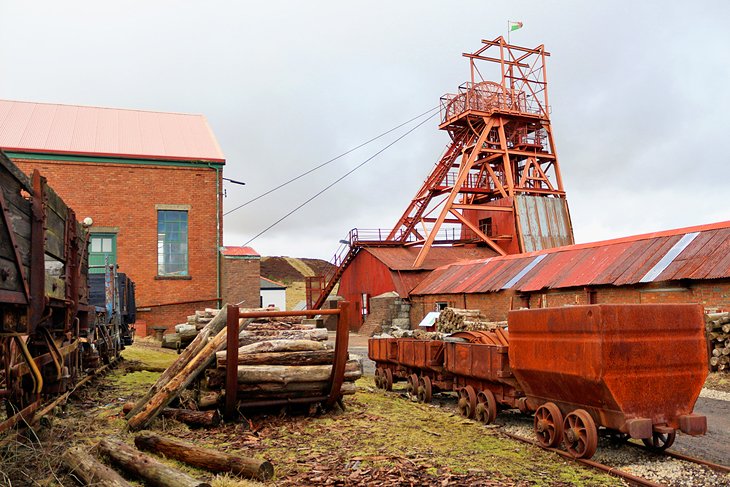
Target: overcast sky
638	91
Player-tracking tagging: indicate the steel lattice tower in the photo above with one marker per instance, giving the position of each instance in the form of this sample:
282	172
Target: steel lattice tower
498	183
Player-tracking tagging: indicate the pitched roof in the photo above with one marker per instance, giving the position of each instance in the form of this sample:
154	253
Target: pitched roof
105	132
239	252
402	258
700	252
269	284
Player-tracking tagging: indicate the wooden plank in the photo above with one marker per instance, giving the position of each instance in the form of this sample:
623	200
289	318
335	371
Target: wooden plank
12	281
55	203
14	172
55	233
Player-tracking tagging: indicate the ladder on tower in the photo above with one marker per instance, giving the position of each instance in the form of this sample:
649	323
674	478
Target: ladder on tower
342	259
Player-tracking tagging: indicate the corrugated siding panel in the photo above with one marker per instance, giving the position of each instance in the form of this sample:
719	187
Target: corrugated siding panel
652	252
545	222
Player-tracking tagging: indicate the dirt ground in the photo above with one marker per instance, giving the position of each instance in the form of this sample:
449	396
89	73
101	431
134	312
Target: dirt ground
381	438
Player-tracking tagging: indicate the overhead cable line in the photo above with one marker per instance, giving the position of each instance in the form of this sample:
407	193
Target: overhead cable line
338	180
328	162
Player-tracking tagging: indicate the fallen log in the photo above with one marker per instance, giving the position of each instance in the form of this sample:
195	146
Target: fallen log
187	416
89	471
210	330
146	467
210	399
206	458
316	357
177	384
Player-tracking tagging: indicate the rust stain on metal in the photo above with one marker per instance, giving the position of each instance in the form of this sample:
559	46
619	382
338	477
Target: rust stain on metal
625	364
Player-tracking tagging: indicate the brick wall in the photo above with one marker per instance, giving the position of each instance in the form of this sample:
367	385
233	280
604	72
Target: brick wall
495	306
241	282
124	196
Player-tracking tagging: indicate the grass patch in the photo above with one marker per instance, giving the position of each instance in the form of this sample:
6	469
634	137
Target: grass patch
149	354
381	429
718	381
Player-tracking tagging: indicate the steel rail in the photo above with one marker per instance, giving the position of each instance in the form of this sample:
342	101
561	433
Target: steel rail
37	414
681	456
632	479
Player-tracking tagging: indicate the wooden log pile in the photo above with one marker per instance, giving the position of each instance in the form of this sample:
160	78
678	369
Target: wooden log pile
279	360
717	326
186	332
451	320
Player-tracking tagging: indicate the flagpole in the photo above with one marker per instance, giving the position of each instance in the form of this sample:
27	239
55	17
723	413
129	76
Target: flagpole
508	31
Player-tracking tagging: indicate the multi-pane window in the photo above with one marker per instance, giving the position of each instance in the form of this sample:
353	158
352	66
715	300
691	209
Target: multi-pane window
102	249
172	243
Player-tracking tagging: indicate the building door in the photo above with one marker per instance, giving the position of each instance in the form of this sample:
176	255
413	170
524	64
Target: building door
101	246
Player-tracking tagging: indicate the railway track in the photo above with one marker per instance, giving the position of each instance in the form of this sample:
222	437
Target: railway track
632	462
20	421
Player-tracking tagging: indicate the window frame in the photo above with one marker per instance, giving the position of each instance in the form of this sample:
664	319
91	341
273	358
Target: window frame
161	243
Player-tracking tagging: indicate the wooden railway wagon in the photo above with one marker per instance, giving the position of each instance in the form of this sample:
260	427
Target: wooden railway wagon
630	371
48	330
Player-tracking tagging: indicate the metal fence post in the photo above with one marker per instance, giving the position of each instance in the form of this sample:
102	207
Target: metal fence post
231	360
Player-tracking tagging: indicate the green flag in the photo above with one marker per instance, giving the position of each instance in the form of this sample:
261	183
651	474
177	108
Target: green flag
515	26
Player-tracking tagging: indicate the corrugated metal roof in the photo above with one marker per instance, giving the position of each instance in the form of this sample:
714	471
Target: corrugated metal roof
701	252
240	251
402	258
105	132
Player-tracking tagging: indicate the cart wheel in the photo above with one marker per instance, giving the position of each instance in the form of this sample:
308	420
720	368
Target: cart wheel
388	380
549	425
379	378
659	441
424	389
412	385
580	434
486	410
467	404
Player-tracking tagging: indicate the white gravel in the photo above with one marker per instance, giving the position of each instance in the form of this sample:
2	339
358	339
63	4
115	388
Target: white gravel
713	394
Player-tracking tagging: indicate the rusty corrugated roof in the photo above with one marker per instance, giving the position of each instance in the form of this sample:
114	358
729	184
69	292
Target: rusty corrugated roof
701	252
105	132
402	258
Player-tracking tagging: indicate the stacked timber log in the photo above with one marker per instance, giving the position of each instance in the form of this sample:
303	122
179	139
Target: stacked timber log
717	326
451	320
186	332
278	360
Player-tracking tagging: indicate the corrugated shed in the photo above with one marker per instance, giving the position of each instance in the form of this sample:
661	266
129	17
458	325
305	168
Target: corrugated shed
402	258
106	132
701	252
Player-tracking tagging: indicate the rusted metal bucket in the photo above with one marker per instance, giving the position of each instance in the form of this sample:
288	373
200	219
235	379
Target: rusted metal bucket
383	350
634	368
478	361
421	354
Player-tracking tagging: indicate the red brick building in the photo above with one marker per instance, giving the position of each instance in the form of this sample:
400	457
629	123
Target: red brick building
241	281
151	183
377	270
686	265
